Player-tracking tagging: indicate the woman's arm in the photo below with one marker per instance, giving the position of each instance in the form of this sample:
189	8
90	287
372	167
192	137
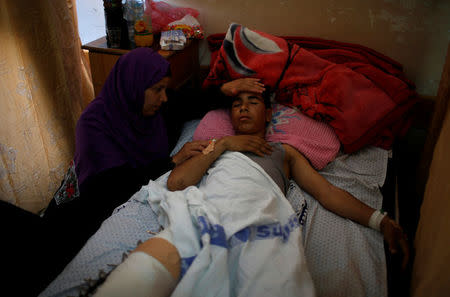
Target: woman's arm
341	202
192	170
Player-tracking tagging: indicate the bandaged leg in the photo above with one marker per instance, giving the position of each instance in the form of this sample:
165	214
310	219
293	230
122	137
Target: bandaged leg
152	269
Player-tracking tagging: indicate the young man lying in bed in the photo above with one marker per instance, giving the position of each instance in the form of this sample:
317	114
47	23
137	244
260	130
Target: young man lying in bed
250	113
221	200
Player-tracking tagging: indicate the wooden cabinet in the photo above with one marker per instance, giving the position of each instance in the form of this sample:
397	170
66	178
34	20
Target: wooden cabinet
184	64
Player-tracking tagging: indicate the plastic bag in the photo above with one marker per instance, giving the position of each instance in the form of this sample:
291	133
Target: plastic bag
189	25
164	13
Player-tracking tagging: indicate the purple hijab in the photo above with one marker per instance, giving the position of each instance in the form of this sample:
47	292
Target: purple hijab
112	130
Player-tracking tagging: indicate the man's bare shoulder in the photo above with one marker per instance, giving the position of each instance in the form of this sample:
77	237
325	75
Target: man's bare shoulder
292	155
290	150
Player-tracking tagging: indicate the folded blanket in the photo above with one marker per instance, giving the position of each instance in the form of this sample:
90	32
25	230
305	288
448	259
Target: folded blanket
236	233
362	94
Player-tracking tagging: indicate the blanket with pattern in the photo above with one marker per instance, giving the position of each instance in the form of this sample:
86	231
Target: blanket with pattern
360	93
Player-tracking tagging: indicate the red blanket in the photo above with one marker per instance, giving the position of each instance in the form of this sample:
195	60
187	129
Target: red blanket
362	94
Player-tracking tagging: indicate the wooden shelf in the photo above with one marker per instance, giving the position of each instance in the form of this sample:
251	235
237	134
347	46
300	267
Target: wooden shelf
100	46
184	64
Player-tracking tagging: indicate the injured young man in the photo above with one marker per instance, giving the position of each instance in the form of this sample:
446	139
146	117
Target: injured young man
228	228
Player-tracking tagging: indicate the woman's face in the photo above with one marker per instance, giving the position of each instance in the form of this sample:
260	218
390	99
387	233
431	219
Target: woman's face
155	96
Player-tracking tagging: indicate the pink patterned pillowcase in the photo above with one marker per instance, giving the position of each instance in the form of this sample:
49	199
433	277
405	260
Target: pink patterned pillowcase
315	140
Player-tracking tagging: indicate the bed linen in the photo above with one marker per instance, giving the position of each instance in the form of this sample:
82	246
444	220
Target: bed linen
344	258
236	233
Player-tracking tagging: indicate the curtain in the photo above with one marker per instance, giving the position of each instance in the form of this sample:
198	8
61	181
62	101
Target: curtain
432	243
45	83
431	270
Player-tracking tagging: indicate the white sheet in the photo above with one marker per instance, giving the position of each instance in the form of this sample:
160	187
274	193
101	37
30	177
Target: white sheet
236	233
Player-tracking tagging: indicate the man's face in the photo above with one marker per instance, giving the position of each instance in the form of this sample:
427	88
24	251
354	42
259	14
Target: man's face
249	114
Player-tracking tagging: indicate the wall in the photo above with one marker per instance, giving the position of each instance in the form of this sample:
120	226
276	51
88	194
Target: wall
91	20
413	32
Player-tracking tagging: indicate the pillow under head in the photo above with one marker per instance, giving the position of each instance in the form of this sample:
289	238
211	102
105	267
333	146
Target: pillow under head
316	140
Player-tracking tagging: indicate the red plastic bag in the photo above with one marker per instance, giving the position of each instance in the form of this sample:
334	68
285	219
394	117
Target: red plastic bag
164	13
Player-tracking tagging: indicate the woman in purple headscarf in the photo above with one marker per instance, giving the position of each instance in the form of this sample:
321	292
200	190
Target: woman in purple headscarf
122	141
123	128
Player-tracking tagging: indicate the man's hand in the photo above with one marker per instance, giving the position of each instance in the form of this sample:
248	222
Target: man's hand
247	143
189	150
239	85
396	238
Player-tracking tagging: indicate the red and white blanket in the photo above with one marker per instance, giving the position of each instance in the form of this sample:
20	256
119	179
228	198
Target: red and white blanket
362	94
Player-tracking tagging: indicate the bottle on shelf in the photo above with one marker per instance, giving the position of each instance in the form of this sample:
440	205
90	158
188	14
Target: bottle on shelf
116	36
139	23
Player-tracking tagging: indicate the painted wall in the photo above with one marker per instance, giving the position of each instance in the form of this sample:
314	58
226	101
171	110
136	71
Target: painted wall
414	32
91	20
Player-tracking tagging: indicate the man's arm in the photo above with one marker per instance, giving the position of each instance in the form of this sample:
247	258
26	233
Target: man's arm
190	172
332	198
341	202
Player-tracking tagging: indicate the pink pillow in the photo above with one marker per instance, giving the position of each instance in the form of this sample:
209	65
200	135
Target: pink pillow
315	140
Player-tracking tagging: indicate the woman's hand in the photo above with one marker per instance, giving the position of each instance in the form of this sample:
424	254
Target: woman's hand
239	85
189	150
247	143
396	238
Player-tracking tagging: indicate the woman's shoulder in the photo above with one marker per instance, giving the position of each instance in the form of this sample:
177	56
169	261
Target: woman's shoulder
91	123
95	107
94	112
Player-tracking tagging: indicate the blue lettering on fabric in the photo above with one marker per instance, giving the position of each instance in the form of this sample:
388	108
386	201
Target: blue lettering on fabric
243	235
216	232
251	233
268	231
260	232
286	232
185	264
276	230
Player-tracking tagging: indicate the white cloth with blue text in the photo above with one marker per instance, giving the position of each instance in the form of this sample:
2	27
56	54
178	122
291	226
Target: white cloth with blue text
236	233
